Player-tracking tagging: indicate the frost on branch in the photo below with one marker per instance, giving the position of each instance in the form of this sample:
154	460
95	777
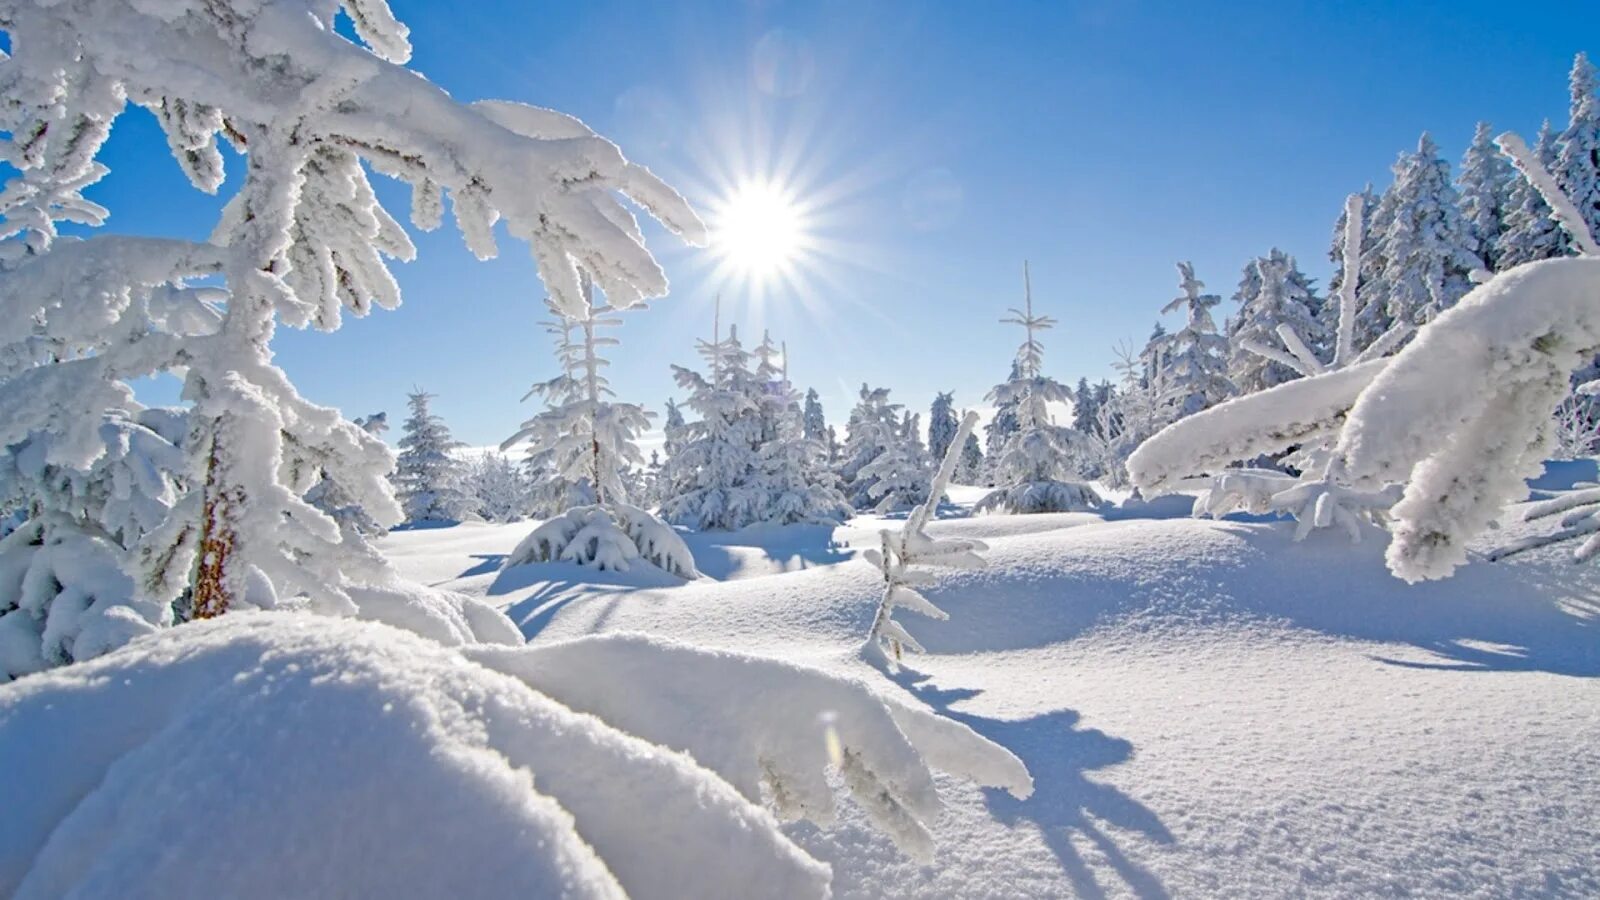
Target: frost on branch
1464	414
898	555
772	729
483	780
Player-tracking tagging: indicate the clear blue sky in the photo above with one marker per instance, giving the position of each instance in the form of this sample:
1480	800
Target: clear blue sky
941	143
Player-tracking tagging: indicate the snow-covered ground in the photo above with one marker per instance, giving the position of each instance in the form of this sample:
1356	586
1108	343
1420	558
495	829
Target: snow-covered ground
1207	708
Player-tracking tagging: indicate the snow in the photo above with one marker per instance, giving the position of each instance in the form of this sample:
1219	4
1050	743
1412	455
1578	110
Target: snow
1205	707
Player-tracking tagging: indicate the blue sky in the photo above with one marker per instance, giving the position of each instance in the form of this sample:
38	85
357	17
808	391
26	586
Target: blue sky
935	146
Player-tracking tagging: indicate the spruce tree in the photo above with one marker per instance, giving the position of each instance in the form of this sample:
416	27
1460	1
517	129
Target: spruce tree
1485	188
942	424
1272	292
428	476
1193	369
1530	234
1577	163
814	424
1425	250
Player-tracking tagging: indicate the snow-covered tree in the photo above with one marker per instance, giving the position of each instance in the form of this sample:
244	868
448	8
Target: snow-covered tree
1001	427
898	556
877	448
1425	252
942	424
969	470
1577	163
301	241
1040	463
428	474
1083	407
1272	292
793	467
1296	419
1485	194
1530	234
1194	364
498	487
584	442
1464	414
65	594
813	424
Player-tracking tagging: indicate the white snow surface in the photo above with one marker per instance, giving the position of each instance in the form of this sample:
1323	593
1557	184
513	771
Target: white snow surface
1207	708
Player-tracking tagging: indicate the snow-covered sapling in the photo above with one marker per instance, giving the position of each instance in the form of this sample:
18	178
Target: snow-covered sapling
899	555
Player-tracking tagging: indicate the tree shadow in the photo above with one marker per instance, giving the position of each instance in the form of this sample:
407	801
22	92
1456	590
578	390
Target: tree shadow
790	547
554	586
487	562
1064	802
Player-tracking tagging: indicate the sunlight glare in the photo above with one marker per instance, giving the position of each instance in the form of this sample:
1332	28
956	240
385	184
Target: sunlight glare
759	230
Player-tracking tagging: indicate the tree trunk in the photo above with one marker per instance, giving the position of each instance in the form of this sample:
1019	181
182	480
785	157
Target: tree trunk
217	538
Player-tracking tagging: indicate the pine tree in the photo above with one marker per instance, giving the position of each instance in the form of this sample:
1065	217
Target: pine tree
1425	251
1530	233
1273	292
942	424
1194	367
815	425
1485	188
1039	463
1000	429
873	429
428	476
792	468
1577	162
970	468
1083	407
302	240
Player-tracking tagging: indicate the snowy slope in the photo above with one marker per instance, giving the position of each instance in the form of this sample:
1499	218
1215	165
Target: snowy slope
1206	707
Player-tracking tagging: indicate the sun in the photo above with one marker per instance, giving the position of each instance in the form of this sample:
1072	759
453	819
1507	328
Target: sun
759	230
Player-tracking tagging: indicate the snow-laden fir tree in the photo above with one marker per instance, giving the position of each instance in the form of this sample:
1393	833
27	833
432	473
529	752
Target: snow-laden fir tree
65	594
814	425
713	478
942	424
1083	407
498	486
1425	251
1272	292
1577	163
1194	365
428	474
302	240
898	556
355	523
883	466
1000	428
1485	190
1529	233
793	467
969	468
587	441
1039	464
1296	420
1463	415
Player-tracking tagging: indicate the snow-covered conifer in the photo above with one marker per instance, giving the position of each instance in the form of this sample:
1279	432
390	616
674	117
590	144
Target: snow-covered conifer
1272	293
1083	407
814	424
1425	251
1530	234
428	475
942	424
499	487
1040	463
897	477
1577	162
877	449
1297	418
1003	425
303	239
969	469
1194	365
1485	189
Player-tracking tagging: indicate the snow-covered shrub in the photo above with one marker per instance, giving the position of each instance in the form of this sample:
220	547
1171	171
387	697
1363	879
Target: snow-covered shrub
499	488
612	537
429	477
898	554
1463	415
1038	466
302	240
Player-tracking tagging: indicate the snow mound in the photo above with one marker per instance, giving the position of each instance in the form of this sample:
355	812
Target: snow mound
770	728
274	754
